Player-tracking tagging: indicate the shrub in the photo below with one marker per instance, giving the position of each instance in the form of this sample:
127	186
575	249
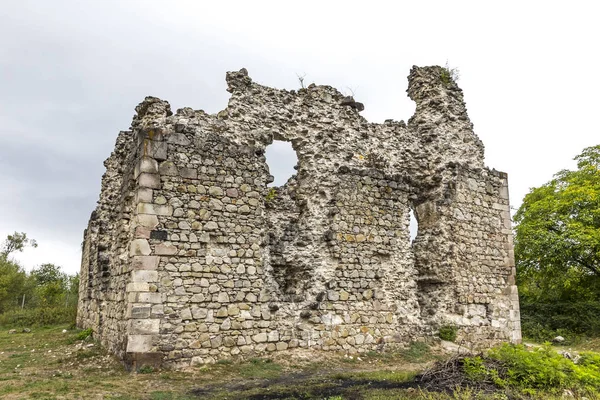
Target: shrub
448	332
84	334
544	368
544	321
146	369
449	75
271	195
39	316
474	368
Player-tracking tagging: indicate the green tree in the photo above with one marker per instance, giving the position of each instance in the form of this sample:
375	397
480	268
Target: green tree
557	234
48	273
12	284
51	284
16	242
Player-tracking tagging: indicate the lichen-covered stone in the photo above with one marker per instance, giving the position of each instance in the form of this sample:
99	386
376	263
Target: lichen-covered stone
189	257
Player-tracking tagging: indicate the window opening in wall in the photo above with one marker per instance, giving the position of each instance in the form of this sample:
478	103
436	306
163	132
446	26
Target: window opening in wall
413	227
281	159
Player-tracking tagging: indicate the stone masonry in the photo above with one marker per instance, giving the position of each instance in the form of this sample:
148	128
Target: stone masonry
190	258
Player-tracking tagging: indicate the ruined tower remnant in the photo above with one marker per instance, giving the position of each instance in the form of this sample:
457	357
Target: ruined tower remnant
189	257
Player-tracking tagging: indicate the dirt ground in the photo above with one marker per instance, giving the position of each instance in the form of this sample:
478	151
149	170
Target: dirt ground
52	363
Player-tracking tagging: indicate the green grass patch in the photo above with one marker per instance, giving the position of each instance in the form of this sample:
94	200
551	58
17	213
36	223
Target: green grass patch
84	334
260	368
416	352
38	317
448	333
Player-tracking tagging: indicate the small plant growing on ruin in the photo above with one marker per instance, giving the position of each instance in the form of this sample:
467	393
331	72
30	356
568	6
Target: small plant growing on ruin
448	333
301	79
84	334
449	75
271	195
146	369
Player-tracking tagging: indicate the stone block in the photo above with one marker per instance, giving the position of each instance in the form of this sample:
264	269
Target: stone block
215	191
155	209
185	314
143	326
178	138
147	220
168	168
155	298
188	173
141	232
138	287
166	249
211	226
146	180
333	295
146	164
273	336
144	276
260	337
134	311
139	343
154	149
158	234
139	247
143	195
145	262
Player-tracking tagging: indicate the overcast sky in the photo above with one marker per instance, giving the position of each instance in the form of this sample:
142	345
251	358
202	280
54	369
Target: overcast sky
71	73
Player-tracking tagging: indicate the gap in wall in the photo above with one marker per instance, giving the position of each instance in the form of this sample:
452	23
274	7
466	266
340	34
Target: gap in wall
281	159
413	227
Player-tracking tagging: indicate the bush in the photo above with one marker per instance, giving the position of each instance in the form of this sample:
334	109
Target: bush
544	321
84	334
448	332
545	369
146	369
39	316
513	370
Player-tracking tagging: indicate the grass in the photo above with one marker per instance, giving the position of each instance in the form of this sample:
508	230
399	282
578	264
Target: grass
49	364
259	368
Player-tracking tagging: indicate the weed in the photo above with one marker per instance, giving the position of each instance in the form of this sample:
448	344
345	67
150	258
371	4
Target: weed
260	368
449	75
84	334
271	195
474	368
416	352
145	369
545	369
448	332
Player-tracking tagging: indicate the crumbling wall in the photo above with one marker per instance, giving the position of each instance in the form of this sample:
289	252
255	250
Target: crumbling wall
215	264
104	268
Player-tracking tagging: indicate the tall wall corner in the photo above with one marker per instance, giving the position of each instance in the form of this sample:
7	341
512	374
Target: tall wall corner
144	302
512	291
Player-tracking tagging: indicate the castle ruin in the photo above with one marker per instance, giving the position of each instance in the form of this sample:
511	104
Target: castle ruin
190	257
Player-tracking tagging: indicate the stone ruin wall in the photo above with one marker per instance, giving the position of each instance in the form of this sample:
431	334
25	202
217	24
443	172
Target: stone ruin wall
189	257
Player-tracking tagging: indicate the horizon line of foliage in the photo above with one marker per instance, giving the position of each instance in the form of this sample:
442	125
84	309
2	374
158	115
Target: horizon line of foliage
557	252
43	296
